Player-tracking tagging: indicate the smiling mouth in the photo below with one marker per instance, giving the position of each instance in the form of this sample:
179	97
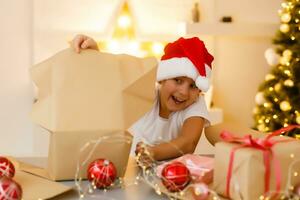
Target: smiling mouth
176	100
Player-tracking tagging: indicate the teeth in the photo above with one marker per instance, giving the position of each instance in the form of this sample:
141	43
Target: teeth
177	100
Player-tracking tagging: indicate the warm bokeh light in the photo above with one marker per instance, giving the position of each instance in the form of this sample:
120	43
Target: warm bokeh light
124	21
113	46
158	48
124	38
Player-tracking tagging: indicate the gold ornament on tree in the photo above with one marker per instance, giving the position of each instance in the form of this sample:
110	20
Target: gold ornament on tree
269	77
287	72
285	106
259	98
261	127
267	105
284	28
284	60
298	119
286	17
288	83
277	87
287	54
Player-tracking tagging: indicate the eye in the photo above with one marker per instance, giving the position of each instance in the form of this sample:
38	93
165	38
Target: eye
177	80
193	86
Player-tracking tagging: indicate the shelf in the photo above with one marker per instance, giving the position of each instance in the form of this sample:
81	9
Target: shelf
231	29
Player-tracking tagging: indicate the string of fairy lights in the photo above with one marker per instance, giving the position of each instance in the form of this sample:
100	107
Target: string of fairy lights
147	173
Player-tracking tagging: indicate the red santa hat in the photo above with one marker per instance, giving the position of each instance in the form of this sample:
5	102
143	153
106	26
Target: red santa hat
186	57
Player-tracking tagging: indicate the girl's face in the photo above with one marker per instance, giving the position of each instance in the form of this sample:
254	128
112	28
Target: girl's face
177	94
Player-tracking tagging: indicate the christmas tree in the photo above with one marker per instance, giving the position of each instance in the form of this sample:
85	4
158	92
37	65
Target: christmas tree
278	97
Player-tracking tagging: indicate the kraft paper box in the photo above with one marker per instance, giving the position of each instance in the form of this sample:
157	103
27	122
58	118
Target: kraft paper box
249	170
85	96
35	187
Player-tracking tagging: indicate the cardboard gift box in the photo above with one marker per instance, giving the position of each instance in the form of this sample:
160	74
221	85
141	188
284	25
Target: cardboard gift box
200	167
241	170
34	187
87	96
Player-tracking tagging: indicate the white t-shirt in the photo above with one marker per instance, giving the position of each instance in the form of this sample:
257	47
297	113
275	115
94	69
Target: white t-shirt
153	129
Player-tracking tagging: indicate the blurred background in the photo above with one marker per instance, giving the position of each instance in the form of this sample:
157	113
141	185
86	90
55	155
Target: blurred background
236	32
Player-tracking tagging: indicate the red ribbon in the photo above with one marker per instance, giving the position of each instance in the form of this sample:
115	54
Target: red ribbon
263	144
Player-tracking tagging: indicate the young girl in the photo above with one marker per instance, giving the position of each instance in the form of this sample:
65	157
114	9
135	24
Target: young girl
174	124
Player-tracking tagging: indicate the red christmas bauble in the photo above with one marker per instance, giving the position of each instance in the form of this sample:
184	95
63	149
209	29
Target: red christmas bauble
9	189
175	176
6	168
102	173
200	191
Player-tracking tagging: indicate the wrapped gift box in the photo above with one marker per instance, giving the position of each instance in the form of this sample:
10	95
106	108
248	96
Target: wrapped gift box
200	167
248	169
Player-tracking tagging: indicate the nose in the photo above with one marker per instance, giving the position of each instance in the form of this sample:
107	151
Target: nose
184	90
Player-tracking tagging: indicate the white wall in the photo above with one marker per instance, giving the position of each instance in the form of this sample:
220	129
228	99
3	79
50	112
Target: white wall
15	89
238	60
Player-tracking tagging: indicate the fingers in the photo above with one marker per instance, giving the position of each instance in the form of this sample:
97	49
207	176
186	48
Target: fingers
140	148
144	160
144	157
83	42
76	42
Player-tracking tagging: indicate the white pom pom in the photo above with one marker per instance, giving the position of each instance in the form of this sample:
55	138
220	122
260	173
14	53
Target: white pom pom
202	83
259	98
272	57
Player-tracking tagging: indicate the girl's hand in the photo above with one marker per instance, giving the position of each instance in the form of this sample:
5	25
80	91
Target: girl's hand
145	154
83	42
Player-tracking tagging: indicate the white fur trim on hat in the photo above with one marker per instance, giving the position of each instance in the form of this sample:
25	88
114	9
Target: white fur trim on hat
176	67
203	83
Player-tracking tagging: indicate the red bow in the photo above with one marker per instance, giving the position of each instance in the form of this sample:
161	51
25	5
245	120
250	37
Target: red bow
265	145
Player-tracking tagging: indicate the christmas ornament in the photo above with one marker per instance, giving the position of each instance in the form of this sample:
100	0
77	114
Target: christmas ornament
9	189
259	98
296	189
269	77
102	173
6	168
267	105
285	106
272	57
175	176
261	127
284	60
200	191
298	119
284	28
287	53
277	87
287	72
288	83
284	5
286	17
